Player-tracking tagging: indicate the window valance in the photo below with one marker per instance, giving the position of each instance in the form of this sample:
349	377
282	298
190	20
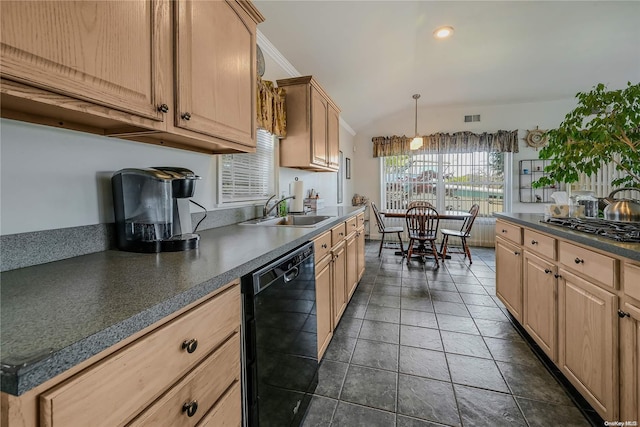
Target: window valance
458	142
271	108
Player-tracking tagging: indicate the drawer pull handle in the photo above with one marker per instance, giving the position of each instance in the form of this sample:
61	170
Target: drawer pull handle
190	345
190	408
557	276
534	242
163	108
324	246
578	261
547	271
186	116
623	314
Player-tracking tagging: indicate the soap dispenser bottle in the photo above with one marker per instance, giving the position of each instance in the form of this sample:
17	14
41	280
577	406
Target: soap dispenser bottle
283	208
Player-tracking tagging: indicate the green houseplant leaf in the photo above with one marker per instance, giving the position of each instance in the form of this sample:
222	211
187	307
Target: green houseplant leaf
603	128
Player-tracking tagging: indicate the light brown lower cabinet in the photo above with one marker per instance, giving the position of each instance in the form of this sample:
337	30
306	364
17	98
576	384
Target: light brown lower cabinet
193	356
509	276
360	236
588	341
540	317
338	285
352	264
323	304
630	362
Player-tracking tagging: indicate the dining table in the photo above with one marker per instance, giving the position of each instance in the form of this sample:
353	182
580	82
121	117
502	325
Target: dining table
450	214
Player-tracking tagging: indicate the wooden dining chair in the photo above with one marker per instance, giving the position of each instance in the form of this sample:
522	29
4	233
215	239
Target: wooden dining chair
422	226
384	230
463	234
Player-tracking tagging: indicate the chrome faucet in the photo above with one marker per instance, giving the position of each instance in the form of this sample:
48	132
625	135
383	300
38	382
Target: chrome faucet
268	211
264	208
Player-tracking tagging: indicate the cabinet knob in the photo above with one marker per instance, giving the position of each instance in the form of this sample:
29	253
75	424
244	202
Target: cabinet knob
623	314
163	108
341	233
186	116
578	261
547	271
534	242
557	276
190	345
324	246
516	253
190	408
504	231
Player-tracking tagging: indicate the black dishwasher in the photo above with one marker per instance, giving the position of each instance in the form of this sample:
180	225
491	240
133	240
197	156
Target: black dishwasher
280	349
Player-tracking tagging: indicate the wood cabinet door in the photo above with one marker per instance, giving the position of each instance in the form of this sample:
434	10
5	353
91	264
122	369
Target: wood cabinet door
319	107
540	314
630	362
509	277
352	265
339	282
323	303
333	138
108	53
216	70
361	260
587	341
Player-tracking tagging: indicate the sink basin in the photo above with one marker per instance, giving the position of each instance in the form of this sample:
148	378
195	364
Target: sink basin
289	221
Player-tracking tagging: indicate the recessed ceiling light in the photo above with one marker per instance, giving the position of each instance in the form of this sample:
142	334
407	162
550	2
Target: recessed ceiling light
443	32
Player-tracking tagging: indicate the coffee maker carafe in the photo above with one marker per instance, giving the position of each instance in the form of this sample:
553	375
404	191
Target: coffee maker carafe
152	209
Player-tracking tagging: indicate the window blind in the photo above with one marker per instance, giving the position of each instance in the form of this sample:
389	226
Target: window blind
248	177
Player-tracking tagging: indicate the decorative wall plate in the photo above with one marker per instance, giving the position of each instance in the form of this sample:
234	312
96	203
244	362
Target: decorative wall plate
535	138
260	61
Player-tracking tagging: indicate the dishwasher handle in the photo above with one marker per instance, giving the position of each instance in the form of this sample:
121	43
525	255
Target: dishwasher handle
291	274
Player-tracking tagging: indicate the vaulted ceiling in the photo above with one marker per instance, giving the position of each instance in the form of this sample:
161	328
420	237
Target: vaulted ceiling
372	56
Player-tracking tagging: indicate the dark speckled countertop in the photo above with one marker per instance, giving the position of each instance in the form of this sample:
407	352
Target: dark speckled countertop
534	221
56	315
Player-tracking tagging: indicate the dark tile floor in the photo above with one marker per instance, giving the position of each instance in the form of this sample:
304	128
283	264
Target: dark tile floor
423	347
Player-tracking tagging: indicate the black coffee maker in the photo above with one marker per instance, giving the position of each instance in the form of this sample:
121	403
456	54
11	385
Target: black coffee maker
152	209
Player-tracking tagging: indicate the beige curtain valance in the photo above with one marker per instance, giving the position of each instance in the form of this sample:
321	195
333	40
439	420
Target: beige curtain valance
271	108
458	142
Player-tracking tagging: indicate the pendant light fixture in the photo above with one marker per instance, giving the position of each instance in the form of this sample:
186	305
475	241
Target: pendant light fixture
417	140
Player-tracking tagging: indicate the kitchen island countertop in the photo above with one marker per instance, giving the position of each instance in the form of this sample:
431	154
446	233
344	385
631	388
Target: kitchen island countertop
56	315
534	221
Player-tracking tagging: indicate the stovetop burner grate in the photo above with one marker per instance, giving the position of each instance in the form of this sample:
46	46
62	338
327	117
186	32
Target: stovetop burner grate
615	230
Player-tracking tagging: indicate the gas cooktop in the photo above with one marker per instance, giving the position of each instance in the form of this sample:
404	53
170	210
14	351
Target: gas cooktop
615	230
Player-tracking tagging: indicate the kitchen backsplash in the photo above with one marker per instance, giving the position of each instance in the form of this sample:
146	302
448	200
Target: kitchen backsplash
39	247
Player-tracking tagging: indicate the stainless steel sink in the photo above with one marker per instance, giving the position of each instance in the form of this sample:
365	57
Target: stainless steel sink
309	221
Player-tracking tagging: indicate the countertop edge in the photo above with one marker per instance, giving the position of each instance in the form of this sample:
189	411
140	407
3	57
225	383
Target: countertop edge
17	380
533	221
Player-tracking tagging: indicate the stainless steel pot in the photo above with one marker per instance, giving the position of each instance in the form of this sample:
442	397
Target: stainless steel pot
626	210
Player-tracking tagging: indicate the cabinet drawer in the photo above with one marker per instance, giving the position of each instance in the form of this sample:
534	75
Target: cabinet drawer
540	244
115	389
322	245
204	385
509	231
592	265
227	412
352	225
338	233
360	219
632	280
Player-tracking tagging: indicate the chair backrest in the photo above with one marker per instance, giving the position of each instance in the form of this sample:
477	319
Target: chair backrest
468	222
379	221
420	203
422	220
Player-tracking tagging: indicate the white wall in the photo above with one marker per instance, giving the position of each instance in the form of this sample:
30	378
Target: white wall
546	115
56	178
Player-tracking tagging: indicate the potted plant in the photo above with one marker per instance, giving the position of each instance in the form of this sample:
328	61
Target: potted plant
603	128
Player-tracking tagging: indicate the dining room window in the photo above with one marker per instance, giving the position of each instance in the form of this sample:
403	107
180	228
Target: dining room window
449	181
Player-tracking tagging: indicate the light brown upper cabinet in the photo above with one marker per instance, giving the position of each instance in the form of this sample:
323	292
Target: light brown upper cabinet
313	127
180	73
